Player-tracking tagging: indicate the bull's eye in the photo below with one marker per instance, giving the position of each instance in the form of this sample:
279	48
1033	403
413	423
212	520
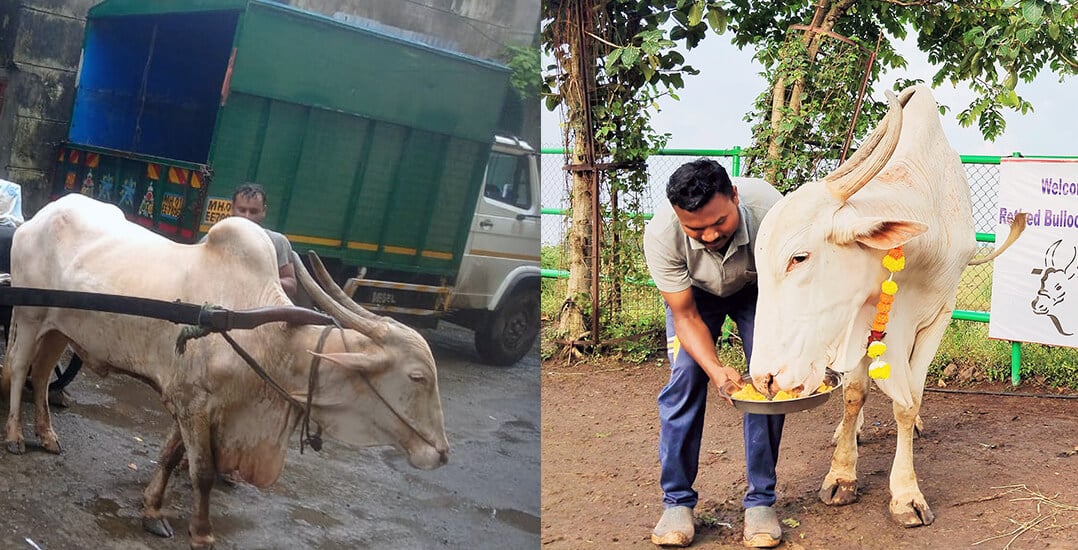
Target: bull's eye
417	376
796	259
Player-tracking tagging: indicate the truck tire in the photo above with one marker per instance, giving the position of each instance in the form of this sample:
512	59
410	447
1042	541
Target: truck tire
509	332
65	370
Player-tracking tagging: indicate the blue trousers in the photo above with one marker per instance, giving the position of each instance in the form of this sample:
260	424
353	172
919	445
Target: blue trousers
683	401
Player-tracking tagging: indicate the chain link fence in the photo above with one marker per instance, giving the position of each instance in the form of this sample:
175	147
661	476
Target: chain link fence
639	301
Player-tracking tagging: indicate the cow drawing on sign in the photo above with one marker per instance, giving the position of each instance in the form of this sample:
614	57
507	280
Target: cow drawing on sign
1054	281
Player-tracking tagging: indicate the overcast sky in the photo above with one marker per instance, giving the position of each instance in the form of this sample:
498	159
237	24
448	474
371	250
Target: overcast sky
713	104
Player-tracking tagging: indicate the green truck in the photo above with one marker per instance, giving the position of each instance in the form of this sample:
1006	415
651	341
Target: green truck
378	152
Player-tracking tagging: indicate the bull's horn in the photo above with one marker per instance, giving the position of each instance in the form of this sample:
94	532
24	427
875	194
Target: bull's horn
334	290
372	328
870	157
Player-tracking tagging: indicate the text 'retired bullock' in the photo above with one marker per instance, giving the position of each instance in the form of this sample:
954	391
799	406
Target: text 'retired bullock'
820	261
376	383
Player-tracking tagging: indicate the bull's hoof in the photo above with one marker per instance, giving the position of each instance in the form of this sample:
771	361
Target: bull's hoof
839	493
52	445
202	543
912	514
158	526
16	447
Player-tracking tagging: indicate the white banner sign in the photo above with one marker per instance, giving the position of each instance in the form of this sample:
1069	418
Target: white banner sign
1035	283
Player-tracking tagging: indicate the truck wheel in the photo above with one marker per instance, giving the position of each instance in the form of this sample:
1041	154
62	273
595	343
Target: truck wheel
509	332
65	370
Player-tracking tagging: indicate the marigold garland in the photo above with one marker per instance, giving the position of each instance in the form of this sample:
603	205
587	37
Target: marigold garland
893	262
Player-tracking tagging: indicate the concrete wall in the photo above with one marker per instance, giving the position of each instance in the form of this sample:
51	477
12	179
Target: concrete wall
39	54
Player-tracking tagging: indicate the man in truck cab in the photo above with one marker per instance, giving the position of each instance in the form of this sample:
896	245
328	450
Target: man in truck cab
249	201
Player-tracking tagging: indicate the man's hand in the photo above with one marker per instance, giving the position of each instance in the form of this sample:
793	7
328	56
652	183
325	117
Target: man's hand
729	381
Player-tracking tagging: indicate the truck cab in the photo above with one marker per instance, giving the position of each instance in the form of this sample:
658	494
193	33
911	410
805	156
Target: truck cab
496	289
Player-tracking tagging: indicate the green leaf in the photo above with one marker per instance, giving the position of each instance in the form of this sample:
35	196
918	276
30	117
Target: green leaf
611	58
629	56
1011	80
696	13
648	72
1053	30
1009	99
1025	34
1032	11
1006	52
717	19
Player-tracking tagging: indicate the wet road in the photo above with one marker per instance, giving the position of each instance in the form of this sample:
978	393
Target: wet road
486	497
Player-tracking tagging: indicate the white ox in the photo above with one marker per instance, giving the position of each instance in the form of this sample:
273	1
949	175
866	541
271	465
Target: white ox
376	385
819	256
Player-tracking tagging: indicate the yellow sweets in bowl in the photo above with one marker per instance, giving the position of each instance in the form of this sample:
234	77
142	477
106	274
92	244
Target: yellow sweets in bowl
748	393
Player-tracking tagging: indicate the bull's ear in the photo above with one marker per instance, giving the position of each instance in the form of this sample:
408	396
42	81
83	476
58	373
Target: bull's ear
367	363
880	233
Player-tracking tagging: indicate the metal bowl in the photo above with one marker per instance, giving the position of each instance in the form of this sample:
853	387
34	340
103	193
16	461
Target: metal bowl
831	377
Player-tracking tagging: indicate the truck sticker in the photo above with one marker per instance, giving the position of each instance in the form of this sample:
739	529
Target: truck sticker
145	209
172	206
127	195
88	184
177	175
104	192
153	171
217	208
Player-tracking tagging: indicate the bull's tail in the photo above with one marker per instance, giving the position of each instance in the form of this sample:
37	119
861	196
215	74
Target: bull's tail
1018	225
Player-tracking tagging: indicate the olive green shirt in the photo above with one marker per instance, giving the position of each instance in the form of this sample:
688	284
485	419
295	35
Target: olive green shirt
677	262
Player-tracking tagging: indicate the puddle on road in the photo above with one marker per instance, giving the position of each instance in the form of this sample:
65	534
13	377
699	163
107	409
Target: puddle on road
106	514
313	517
111	415
514	518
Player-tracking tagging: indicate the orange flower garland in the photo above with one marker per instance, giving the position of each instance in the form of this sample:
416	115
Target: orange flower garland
893	262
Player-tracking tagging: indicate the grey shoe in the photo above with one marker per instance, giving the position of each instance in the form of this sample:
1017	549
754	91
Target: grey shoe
762	529
675	528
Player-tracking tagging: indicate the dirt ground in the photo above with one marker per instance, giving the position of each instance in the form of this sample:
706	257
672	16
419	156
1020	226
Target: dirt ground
998	471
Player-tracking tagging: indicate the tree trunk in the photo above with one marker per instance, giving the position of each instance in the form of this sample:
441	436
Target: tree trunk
774	149
825	18
578	242
579	67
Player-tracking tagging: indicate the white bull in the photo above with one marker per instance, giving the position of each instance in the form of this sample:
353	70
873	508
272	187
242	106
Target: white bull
819	257
377	384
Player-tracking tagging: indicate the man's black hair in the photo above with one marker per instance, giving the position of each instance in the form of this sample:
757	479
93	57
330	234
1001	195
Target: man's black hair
250	190
694	183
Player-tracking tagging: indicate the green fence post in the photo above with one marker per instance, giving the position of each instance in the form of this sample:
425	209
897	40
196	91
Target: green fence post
1016	361
737	160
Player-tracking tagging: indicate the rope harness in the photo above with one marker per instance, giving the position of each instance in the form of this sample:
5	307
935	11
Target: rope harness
305	436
